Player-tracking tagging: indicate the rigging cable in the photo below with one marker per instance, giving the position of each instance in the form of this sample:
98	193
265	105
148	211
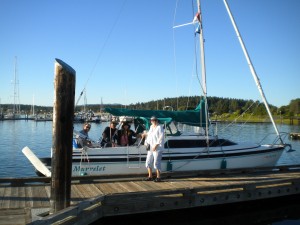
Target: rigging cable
174	52
101	51
236	119
195	58
195	52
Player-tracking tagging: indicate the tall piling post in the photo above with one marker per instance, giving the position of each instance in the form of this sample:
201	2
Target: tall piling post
62	135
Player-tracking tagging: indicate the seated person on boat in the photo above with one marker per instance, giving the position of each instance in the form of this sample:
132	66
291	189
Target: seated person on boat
83	136
125	135
110	135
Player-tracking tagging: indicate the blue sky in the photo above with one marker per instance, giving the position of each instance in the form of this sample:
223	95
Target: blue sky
127	52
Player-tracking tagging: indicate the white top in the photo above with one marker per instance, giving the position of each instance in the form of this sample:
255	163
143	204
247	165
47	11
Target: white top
155	136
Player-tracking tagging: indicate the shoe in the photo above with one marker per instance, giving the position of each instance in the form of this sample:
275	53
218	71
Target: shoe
157	180
148	179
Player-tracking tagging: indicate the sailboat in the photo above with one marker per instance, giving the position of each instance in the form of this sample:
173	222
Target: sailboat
86	115
32	115
182	151
15	112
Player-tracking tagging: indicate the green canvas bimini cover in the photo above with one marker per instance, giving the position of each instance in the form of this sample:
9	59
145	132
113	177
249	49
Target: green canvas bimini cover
196	117
142	123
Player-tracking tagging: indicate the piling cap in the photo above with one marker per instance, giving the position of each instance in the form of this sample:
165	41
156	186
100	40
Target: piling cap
65	66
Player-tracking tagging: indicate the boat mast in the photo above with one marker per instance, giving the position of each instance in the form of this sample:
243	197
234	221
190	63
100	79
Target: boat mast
203	68
16	107
33	105
1	113
101	106
256	79
85	102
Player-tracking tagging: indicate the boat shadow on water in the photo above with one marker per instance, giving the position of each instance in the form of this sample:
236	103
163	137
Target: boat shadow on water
276	211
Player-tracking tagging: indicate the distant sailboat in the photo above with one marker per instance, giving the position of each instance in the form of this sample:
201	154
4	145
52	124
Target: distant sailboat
15	112
1	111
104	117
32	116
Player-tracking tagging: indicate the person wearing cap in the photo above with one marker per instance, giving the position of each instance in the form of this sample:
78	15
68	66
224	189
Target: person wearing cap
109	135
83	136
125	135
155	138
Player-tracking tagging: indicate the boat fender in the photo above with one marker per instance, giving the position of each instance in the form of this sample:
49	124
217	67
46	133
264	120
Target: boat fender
223	164
75	145
83	174
169	165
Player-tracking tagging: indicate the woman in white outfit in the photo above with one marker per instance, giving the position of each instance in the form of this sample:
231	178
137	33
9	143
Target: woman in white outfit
155	138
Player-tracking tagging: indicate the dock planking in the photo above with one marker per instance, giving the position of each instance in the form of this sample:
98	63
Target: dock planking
95	197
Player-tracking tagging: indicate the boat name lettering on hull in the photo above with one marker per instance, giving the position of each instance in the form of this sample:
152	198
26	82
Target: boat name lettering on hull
88	169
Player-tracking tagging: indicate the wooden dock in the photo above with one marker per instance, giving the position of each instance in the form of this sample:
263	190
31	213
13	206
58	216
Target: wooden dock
27	200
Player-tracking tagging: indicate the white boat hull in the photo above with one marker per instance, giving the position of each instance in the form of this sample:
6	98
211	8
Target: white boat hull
131	160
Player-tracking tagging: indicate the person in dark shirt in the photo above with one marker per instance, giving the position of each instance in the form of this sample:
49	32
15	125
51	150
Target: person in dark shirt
109	135
125	135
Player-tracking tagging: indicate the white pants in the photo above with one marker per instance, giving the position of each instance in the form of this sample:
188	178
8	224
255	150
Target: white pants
154	159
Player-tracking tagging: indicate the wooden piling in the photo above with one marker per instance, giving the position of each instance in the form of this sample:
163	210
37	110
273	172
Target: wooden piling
62	135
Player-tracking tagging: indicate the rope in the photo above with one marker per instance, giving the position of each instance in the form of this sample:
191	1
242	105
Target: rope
84	157
102	49
174	52
234	121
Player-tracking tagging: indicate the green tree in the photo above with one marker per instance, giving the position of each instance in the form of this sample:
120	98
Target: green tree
294	107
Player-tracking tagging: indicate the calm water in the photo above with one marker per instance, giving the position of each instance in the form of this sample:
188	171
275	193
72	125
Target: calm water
38	137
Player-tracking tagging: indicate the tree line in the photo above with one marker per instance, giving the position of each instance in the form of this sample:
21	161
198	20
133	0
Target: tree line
216	106
219	106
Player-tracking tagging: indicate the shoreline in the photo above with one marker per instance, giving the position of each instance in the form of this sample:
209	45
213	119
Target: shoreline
286	121
293	122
